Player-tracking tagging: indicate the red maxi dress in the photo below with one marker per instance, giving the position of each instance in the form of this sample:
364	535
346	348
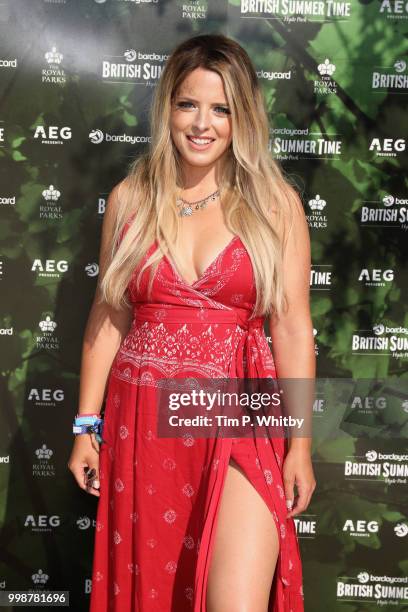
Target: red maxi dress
159	497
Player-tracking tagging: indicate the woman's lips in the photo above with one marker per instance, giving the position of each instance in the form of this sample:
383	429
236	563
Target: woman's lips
199	147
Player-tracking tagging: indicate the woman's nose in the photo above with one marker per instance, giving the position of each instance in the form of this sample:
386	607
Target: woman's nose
202	119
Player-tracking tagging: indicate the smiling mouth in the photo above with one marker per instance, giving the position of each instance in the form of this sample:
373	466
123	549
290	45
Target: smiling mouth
200	141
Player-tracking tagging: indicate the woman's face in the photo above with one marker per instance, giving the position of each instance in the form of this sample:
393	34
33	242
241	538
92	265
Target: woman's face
200	121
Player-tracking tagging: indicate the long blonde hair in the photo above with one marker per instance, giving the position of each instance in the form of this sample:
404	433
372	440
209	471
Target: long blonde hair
257	199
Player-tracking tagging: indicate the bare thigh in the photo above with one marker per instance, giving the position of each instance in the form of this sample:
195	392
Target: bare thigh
245	551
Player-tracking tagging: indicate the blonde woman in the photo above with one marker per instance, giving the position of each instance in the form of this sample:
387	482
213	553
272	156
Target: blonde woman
202	241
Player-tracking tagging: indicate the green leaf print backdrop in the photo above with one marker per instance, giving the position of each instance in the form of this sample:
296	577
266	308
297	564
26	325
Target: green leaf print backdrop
76	79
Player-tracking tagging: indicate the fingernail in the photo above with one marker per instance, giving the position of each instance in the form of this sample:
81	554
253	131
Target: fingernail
96	484
289	504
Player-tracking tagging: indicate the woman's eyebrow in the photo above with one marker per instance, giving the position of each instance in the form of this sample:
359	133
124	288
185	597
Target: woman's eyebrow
194	100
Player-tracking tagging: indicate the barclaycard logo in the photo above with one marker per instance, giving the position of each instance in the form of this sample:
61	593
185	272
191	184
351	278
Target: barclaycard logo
92	269
269	75
394	210
389	467
134	66
386	80
96	136
366	587
384	339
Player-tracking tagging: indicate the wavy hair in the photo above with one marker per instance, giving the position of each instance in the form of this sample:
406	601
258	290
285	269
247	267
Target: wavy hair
258	200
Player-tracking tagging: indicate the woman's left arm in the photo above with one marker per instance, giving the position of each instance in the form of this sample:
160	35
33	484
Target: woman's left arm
294	353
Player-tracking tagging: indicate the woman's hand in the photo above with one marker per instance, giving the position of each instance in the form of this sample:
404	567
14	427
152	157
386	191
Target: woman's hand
85	454
297	469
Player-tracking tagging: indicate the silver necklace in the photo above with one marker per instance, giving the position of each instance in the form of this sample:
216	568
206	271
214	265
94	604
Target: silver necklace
187	208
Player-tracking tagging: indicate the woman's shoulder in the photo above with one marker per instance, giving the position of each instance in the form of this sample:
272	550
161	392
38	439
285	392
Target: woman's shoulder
124	192
117	203
121	209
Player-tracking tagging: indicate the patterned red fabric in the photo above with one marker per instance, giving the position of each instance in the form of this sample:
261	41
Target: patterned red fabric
159	497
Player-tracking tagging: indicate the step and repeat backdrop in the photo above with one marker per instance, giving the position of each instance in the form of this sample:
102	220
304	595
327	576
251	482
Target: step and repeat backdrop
76	79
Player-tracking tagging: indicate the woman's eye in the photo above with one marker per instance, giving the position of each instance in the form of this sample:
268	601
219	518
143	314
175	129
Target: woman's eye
223	109
184	104
219	109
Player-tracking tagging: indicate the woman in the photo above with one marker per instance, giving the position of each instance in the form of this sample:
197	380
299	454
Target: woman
201	241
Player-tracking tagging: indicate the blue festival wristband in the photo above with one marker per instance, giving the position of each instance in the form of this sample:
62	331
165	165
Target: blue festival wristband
88	424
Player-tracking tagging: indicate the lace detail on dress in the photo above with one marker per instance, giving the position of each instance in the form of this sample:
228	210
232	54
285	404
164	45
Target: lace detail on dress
220	275
201	293
172	349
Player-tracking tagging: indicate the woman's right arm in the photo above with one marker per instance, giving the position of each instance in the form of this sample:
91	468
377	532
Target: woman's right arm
104	332
105	328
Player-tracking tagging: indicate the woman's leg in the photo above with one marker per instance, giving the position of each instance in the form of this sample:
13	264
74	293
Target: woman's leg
246	548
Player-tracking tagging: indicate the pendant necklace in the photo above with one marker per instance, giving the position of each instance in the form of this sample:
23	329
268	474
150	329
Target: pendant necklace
187	208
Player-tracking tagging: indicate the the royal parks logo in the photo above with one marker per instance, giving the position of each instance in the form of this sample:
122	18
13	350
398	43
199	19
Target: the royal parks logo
197	9
50	209
43	466
53	71
325	84
316	218
40	578
47	339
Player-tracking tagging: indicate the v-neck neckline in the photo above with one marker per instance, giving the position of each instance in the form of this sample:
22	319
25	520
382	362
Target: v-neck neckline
205	271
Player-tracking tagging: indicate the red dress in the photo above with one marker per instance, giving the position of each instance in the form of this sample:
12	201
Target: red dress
159	497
